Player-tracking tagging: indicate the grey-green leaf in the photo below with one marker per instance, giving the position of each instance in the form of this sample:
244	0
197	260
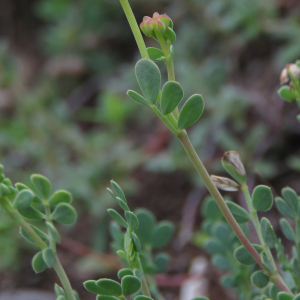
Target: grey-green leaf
48	257
136	242
132	220
171	96
38	264
124	272
122	204
118	190
284	296
162	234
23	199
220	261
191	111
262	198
238	212
284	208
54	232
156	54
268	233
287	94
109	287
104	297
242	255
27	237
42	185
287	229
149	79
161	261
290	197
117	217
60	196
130	285
91	286
142	297
170	35
137	97
64	213
260	279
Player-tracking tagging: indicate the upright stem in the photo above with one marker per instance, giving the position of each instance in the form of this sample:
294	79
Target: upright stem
135	28
223	207
145	288
298	246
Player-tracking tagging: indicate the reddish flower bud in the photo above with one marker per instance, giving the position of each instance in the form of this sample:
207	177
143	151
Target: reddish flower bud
147	27
155	16
165	19
160	27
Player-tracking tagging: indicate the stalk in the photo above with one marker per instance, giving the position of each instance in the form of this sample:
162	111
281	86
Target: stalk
298	246
135	28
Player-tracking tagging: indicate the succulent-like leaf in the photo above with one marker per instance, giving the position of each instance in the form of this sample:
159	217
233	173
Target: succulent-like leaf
191	111
170	35
156	54
23	200
260	279
124	272
137	97
149	79
118	190
42	185
109	287
91	286
117	217
284	208
290	198
287	94
171	96
287	229
64	213
262	198
130	285
60	196
268	233
284	296
162	234
48	257
242	255
132	220
240	214
38	264
122	204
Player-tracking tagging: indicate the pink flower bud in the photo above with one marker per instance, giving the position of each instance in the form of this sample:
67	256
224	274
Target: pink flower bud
165	19
146	18
160	27
155	16
147	27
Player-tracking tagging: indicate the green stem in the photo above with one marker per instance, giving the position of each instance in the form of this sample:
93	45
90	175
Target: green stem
135	28
223	207
49	219
14	214
145	288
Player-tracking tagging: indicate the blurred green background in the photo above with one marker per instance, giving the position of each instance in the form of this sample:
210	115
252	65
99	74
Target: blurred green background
65	67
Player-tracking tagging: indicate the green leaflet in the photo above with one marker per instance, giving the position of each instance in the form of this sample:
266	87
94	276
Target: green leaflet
268	232
238	212
48	257
42	185
287	229
65	214
284	208
60	196
162	234
262	198
130	285
191	111
137	97
38	264
117	217
171	96
156	54
132	220
260	279
124	272
242	255
287	94
149	79
109	287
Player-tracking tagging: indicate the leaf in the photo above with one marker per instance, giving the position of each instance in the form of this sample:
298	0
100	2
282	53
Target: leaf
124	272
260	279
122	204
103	297
227	281
262	198
55	234
287	229
242	255
170	35
149	79
142	297
23	200
109	287
20	186
191	111
161	261
60	196
211	210
146	225
268	233
213	246
156	54
130	285
37	263
48	257
240	214
137	273
27	237
284	296
59	290
132	220
287	94
31	213
290	198
200	298
171	96
42	185
221	262
61	298
118	190
65	214
284	208
162	234
136	242
117	217
122	254
274	290
91	286
137	97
